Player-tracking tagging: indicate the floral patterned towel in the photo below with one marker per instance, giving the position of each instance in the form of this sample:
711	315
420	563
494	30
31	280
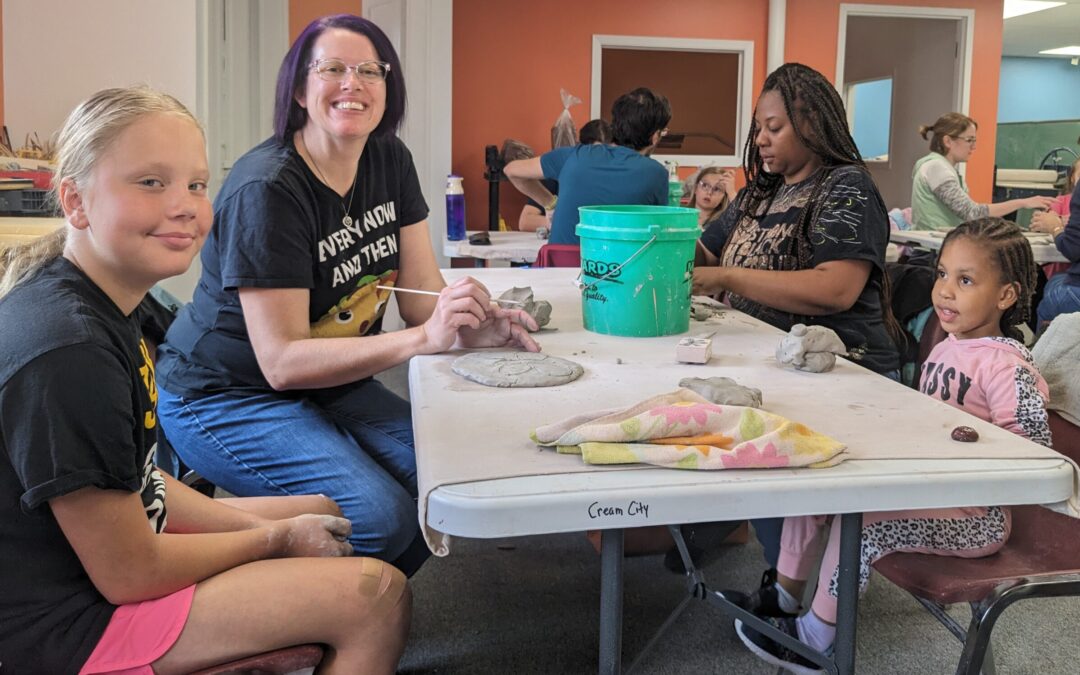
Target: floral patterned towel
683	430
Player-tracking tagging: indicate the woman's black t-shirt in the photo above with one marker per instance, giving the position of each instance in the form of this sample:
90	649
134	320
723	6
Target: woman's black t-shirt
848	222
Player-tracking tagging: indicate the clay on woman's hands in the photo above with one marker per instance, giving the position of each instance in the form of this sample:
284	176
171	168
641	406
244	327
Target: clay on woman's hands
810	348
539	310
965	434
703	308
723	391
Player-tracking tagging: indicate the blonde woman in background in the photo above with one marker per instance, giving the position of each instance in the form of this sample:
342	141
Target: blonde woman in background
939	197
711	190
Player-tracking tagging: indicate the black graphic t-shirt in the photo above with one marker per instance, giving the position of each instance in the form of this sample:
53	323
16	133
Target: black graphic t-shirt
276	225
77	409
848	223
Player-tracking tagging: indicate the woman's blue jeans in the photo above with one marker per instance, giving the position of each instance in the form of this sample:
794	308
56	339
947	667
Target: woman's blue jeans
1059	297
352	443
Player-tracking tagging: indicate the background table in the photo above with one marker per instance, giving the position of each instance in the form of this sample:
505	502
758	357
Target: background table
467	421
1042	246
515	247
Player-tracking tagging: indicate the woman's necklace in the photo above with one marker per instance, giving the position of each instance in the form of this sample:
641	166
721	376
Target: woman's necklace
347	220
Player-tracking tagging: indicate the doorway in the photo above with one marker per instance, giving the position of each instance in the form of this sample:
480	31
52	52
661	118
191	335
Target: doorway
925	55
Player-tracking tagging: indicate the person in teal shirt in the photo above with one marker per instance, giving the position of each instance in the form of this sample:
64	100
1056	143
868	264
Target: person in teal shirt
595	175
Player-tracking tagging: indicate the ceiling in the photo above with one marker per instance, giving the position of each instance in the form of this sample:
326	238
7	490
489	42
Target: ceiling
1028	34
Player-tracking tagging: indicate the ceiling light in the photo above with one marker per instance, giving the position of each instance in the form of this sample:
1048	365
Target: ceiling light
1072	50
1021	7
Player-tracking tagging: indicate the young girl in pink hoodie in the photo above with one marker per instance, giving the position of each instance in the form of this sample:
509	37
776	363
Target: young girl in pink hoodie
985	279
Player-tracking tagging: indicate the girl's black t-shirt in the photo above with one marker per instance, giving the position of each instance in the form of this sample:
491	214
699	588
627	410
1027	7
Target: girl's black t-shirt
77	409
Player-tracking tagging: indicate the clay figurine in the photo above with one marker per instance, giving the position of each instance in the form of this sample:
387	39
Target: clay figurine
810	348
723	391
540	310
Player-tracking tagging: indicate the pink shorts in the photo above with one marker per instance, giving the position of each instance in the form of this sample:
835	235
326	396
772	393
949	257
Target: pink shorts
139	634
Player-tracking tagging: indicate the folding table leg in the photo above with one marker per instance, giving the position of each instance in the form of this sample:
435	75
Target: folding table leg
848	591
611	601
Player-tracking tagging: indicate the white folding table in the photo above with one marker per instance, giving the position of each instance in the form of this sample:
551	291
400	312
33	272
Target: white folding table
1042	245
469	422
514	247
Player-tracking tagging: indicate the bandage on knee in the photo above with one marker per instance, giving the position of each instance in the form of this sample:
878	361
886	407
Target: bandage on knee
383	583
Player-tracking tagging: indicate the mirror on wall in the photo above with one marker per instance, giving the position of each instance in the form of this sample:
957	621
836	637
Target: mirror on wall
706	81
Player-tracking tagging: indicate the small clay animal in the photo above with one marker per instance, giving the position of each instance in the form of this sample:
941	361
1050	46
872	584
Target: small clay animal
540	310
810	348
723	391
965	434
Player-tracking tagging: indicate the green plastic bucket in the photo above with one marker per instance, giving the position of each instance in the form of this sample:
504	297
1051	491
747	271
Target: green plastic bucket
637	266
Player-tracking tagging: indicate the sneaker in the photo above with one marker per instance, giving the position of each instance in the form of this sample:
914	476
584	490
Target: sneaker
770	651
765	601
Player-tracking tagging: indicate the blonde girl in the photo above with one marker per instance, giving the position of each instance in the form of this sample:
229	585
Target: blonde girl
108	565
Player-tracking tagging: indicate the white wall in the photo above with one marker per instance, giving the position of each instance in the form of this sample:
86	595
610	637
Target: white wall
58	52
920	55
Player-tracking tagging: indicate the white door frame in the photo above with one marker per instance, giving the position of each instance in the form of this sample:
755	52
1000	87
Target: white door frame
422	33
966	17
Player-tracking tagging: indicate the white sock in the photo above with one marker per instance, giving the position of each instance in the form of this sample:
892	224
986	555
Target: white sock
815	632
788	602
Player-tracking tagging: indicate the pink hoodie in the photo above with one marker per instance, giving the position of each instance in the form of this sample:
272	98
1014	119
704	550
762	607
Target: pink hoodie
993	378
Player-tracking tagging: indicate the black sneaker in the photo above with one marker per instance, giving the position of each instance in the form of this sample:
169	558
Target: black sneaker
770	651
765	601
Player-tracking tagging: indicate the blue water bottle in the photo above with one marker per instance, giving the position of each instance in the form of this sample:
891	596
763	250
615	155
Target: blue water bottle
455	208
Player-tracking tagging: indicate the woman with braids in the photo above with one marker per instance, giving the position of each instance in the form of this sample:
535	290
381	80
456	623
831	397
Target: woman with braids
985	280
939	198
805	241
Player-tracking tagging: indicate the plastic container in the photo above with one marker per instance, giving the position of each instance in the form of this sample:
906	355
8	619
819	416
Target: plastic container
25	202
455	208
674	185
637	268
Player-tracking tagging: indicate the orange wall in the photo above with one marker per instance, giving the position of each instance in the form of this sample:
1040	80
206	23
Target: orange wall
511	58
303	12
814	43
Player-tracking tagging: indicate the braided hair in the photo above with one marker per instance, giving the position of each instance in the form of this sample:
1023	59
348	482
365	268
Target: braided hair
812	102
1011	253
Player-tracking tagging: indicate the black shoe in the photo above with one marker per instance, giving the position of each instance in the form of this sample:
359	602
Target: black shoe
765	601
766	649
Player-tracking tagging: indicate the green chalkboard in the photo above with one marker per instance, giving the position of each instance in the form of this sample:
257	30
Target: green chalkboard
1022	145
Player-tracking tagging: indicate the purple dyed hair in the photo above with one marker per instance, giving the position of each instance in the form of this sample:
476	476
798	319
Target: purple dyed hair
289	116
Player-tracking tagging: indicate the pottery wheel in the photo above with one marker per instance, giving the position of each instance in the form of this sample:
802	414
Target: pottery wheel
516	369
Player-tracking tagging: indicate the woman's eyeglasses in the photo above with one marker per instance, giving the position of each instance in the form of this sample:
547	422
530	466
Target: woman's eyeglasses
707	189
970	140
336	70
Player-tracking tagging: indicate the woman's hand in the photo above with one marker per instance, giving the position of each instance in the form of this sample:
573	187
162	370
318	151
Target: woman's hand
1045	221
503	328
1037	202
708	280
314	536
466	303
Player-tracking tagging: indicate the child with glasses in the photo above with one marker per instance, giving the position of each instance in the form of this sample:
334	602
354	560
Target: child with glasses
939	197
711	189
107	564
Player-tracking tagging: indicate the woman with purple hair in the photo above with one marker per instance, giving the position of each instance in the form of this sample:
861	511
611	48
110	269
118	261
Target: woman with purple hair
265	379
